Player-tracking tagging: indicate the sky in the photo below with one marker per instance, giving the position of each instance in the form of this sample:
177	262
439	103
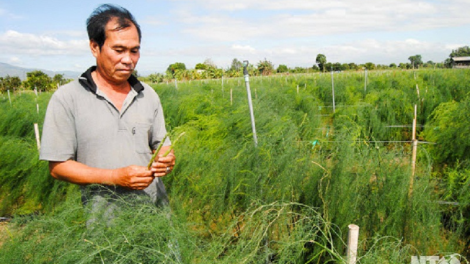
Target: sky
51	34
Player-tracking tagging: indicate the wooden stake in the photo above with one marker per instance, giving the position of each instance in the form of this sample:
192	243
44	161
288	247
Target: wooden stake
9	98
413	157
333	91
353	238
365	80
36	132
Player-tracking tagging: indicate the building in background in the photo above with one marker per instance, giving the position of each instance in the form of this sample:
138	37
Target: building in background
461	62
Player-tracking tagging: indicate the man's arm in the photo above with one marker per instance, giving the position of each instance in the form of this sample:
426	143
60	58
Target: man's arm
132	177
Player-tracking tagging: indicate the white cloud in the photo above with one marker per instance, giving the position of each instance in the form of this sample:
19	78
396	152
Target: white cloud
13	42
386	52
14	60
246	48
300	18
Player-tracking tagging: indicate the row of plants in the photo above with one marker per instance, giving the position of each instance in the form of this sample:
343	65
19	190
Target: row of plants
289	199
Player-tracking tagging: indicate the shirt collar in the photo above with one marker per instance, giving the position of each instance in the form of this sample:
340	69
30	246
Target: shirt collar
87	81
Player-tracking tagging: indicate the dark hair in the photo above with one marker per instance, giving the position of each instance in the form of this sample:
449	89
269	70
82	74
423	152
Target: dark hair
96	23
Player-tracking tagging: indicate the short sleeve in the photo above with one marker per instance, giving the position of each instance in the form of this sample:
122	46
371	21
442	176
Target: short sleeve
59	141
158	126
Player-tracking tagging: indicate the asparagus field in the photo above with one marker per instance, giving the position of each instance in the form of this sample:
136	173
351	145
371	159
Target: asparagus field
333	149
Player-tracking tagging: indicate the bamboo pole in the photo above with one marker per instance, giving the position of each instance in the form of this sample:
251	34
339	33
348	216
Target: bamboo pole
413	157
36	132
333	90
36	92
365	80
250	104
353	238
9	97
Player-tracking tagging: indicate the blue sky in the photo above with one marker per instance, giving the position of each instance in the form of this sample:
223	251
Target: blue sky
51	34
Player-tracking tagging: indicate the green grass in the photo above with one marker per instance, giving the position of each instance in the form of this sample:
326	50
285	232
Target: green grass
288	200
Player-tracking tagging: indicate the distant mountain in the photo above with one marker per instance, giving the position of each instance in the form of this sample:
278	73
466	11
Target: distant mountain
7	69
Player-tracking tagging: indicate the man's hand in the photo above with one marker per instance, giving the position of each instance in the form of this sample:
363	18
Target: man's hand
163	165
134	177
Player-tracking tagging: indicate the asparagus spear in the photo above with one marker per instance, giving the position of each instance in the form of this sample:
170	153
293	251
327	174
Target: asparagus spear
160	146
156	151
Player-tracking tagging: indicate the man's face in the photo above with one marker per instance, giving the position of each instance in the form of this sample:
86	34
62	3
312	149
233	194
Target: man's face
119	54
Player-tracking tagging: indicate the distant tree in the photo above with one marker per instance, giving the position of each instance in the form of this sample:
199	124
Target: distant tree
59	79
155	77
176	66
429	64
10	83
381	67
265	67
460	52
14	81
214	73
408	65
38	80
321	61
315	67
415	61
328	66
369	66
200	66
234	73
448	63
353	66
209	63
298	70
337	66
236	65
252	70
282	68
344	67
182	74
392	65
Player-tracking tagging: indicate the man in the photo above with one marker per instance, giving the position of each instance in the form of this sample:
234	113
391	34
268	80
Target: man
100	131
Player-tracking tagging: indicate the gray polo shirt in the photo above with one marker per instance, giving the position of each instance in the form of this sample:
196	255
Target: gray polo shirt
82	124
